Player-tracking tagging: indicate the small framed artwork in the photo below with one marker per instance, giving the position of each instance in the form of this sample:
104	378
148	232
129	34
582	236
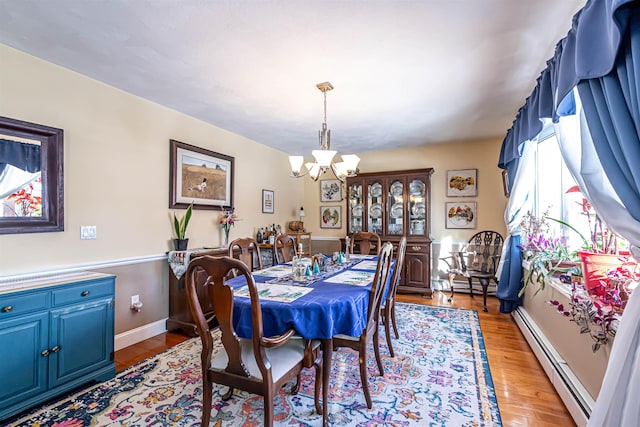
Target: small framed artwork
462	183
267	201
461	215
330	216
330	190
201	177
505	183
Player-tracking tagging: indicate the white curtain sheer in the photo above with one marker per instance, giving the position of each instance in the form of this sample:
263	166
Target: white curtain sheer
617	402
520	199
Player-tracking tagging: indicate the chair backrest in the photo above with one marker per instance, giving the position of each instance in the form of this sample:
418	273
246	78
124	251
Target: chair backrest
483	251
366	242
220	295
246	249
397	269
285	248
379	283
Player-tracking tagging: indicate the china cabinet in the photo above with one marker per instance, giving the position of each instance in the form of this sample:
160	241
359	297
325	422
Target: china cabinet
395	204
55	335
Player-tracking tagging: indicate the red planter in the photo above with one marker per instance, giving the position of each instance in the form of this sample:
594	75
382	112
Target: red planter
595	267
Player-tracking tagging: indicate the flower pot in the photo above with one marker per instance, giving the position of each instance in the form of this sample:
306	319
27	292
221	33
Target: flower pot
595	267
180	244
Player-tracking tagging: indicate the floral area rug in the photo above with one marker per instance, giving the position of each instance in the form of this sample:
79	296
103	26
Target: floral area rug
439	377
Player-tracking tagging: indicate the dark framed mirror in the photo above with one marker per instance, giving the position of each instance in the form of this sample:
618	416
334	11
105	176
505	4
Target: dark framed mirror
31	177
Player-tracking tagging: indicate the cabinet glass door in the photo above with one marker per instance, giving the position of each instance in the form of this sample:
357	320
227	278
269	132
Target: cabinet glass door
376	207
356	208
417	207
395	207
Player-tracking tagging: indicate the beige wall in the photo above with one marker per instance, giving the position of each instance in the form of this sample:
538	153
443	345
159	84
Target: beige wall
117	169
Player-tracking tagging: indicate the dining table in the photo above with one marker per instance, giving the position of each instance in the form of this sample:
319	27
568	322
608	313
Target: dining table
318	306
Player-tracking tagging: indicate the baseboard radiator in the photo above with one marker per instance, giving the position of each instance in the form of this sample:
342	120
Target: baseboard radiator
577	400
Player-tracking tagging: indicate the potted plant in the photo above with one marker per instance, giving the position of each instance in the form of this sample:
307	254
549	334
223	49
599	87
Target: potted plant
545	255
600	252
180	229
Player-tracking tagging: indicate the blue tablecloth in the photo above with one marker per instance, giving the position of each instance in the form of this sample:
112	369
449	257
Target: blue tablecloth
329	309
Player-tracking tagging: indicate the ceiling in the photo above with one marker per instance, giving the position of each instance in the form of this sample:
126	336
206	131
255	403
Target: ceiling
406	73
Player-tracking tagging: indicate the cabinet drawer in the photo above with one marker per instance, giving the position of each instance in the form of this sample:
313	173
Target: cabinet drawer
21	303
82	292
421	248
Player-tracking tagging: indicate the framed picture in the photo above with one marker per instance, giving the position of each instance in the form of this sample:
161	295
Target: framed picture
267	201
330	216
330	190
462	183
505	183
461	215
201	177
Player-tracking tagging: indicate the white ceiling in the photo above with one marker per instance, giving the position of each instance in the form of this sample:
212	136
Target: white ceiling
405	73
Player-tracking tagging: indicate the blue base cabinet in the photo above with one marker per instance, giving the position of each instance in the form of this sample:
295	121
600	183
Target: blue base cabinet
54	338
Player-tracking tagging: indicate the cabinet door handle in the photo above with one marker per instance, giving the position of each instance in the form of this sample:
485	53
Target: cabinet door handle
45	353
7	309
56	349
85	293
416	248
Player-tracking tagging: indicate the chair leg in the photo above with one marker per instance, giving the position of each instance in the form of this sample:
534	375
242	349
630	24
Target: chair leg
268	405
470	287
451	277
318	385
296	386
363	374
207	396
376	350
485	286
393	318
228	394
387	328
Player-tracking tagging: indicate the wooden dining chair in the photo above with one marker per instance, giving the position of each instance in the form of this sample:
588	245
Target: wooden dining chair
359	343
388	309
246	249
478	260
365	243
285	248
260	365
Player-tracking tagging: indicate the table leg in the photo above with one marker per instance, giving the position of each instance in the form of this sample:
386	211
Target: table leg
327	350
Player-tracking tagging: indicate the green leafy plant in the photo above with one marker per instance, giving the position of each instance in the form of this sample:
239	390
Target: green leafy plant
180	225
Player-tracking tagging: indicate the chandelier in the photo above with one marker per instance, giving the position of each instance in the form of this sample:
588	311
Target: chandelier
324	156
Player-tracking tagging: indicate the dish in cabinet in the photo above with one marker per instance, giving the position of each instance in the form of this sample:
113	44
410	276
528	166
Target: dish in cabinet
357	210
396	189
417	188
376	190
396	210
418	209
375	211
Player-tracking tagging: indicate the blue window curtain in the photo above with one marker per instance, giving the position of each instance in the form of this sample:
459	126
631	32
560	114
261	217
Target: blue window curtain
589	51
23	156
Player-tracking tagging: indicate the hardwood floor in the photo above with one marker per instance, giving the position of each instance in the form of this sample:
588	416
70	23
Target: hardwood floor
525	395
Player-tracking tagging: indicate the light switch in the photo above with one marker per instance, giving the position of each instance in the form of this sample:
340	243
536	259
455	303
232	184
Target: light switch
87	232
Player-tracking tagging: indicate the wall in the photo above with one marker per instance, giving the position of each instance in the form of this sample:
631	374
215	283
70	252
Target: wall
116	176
480	154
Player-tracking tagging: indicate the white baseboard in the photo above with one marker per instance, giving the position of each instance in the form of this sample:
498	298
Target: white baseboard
141	333
573	394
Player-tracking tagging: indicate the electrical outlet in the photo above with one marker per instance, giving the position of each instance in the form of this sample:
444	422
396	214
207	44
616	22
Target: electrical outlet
135	299
87	232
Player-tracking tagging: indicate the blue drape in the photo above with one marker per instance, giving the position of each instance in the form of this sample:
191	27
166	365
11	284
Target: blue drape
611	107
589	51
22	156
